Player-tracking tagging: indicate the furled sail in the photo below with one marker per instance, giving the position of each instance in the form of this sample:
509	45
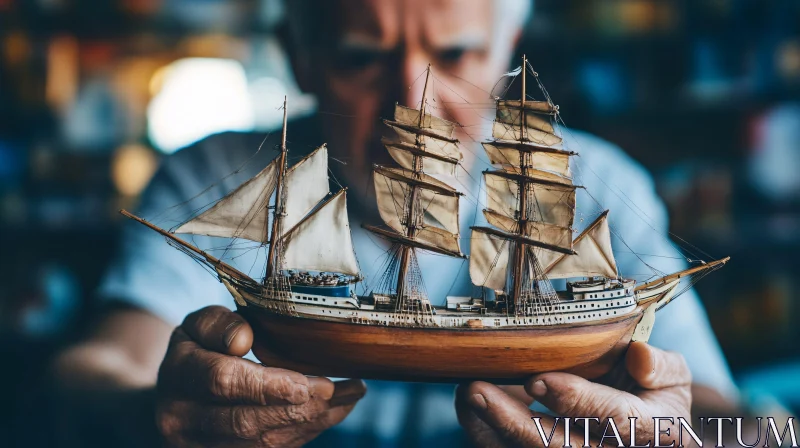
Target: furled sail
594	258
505	131
537	129
509	153
403	153
410	117
305	185
539	231
554	203
445	154
436	206
322	241
488	260
539	107
240	214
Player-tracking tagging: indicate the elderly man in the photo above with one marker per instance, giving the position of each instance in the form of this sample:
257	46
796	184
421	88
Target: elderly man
359	57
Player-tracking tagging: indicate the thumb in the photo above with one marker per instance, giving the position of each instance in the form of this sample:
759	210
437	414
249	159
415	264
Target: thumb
653	368
219	329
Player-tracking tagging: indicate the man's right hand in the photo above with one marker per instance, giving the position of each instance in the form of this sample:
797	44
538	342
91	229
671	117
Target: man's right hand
208	395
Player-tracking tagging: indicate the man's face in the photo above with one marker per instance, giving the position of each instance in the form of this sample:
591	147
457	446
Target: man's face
377	55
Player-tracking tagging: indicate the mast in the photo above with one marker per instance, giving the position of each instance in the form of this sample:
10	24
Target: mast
519	256
405	251
277	214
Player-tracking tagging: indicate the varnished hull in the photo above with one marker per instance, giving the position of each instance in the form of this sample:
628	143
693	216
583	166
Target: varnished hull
341	349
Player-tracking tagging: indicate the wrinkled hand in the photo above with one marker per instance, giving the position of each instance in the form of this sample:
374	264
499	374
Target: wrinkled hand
495	417
209	396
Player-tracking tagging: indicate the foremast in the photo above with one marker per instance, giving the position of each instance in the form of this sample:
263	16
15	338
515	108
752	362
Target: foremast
421	210
405	251
309	230
277	211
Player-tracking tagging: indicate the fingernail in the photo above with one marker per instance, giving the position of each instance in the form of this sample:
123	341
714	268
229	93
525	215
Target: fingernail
539	389
230	332
478	401
344	400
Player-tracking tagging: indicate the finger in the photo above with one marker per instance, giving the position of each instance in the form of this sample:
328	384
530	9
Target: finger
198	374
653	368
219	329
251	422
519	393
479	433
572	396
346	391
509	418
286	437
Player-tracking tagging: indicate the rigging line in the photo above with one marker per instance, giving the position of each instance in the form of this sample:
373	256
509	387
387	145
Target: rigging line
477	200
473	85
255	210
330	171
252	266
650	255
625	243
322	112
455	280
159	216
456	93
673	244
651	225
395	203
670	233
477	182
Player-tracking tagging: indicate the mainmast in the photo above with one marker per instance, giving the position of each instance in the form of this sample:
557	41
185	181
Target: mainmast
411	217
519	256
277	213
421	211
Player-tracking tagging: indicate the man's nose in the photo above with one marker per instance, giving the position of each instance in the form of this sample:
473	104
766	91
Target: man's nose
413	79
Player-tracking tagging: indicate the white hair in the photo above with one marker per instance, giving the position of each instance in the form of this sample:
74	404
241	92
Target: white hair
511	15
516	11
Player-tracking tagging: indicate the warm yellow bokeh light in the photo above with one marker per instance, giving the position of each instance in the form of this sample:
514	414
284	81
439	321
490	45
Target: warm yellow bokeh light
132	167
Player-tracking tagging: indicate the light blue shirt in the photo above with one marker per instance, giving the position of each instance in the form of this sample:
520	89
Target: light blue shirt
154	276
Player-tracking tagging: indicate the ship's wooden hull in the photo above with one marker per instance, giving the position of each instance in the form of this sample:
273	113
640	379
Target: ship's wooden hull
342	349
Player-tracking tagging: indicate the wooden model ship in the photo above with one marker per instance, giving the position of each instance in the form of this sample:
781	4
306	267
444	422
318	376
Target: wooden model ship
307	316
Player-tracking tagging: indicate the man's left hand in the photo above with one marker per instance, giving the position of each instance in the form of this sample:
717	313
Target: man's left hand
495	417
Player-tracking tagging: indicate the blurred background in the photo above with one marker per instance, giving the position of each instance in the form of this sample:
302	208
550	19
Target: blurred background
704	93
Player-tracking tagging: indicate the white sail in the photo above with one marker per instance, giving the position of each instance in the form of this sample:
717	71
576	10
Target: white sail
537	129
243	213
511	115
322	241
505	153
539	231
594	258
305	185
410	117
539	107
488	260
505	131
436	237
442	148
430	165
555	204
437	206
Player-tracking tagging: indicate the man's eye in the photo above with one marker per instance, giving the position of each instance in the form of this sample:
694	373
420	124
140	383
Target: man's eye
356	59
451	55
